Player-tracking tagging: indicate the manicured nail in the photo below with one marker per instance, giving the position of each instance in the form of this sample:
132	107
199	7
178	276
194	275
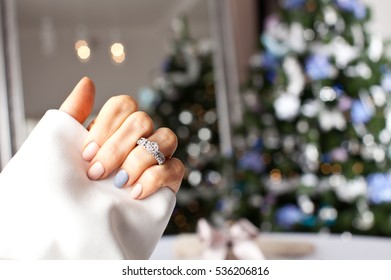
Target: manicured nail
121	178
96	171
136	191
90	151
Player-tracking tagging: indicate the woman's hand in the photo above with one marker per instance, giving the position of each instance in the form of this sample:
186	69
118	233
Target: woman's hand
111	144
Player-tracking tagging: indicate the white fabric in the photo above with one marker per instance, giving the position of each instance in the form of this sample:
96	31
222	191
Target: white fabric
49	209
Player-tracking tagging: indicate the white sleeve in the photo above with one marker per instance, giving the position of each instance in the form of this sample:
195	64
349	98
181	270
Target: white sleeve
49	209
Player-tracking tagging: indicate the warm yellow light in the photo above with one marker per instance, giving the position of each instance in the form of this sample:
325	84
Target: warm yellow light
117	49
336	169
180	220
275	176
358	168
119	59
80	43
83	52
325	168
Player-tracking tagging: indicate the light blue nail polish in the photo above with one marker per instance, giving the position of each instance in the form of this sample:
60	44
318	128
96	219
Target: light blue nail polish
121	178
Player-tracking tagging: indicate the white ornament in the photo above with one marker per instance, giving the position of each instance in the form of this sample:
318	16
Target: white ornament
296	81
311	153
363	70
311	108
310	159
385	137
306	205
297	41
327	94
352	189
376	48
343	52
276	37
340	49
329	119
287	106
309	180
279	30
330	16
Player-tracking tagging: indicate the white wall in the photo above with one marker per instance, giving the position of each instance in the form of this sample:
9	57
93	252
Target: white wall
381	19
47	80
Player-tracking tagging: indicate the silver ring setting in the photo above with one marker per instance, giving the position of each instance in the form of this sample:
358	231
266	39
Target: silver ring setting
153	149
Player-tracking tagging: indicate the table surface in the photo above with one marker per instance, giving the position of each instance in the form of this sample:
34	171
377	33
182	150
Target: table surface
327	246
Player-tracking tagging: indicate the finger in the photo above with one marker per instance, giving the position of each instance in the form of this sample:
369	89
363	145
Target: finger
170	175
110	118
80	102
139	159
114	151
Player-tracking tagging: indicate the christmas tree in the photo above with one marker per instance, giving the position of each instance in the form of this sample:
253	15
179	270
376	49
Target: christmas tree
183	99
313	153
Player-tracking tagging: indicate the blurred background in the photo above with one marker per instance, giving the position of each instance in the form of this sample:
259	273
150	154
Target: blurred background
281	107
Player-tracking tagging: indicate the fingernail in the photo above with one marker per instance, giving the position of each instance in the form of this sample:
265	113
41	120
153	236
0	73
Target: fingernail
90	151
96	171
121	178
136	191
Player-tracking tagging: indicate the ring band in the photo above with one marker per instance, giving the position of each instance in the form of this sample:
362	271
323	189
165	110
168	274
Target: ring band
153	149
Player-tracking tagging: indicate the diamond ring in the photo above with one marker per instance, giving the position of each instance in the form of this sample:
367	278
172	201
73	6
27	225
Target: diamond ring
153	149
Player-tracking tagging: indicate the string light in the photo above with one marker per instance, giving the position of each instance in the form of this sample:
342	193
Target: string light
117	52
325	168
358	168
275	176
83	50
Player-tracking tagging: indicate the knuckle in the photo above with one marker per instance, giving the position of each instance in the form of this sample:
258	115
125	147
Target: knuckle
142	121
153	177
167	135
177	168
112	155
123	103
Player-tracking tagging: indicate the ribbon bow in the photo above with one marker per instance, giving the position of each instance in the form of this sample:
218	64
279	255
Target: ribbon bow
238	241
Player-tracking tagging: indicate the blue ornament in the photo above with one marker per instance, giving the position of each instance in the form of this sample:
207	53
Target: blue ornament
318	67
360	112
270	64
338	88
379	188
355	6
269	61
271	76
275	47
220	205
252	161
289	215
292	4
359	10
309	220
257	145
326	158
346	5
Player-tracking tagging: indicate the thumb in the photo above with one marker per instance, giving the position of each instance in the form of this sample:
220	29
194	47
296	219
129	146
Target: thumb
80	102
